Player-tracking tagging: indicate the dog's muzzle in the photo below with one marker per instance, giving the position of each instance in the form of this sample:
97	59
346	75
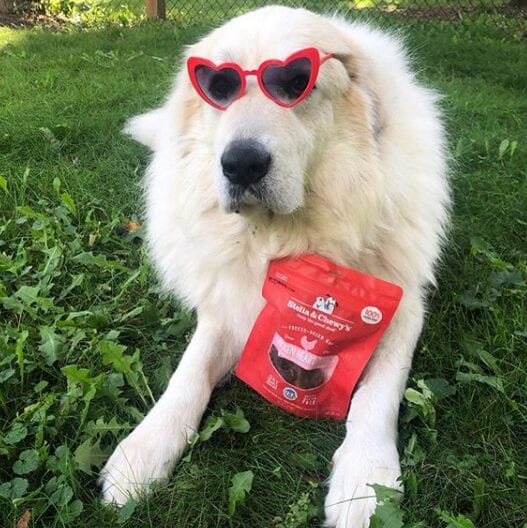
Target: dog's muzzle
245	162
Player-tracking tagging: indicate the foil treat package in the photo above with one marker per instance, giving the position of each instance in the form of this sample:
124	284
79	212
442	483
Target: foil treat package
315	335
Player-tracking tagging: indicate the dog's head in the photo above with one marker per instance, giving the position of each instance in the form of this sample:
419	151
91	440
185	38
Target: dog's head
260	151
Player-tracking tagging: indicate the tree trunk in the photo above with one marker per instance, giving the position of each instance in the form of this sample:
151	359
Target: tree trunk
155	8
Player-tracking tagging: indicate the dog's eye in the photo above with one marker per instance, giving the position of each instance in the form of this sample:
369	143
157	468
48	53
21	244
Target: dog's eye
221	87
287	83
298	84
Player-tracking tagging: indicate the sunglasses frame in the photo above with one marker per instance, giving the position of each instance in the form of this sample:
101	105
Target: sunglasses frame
313	54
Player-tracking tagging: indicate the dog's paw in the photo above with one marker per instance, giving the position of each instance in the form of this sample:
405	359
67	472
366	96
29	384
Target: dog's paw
350	501
145	457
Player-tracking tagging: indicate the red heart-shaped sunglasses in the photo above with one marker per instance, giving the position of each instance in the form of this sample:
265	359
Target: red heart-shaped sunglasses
285	82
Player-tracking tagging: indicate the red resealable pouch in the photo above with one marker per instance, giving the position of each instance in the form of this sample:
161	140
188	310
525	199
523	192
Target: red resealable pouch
315	335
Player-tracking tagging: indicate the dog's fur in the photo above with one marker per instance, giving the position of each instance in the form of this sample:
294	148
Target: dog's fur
358	176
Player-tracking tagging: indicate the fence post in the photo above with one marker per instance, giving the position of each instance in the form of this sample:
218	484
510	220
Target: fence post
156	8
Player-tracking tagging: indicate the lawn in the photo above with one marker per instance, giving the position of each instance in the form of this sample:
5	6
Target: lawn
87	341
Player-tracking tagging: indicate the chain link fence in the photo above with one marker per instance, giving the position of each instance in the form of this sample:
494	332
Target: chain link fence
503	13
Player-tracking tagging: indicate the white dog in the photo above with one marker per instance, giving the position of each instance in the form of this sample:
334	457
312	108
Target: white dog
255	160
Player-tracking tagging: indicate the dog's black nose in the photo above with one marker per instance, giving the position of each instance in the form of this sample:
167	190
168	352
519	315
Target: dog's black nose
245	162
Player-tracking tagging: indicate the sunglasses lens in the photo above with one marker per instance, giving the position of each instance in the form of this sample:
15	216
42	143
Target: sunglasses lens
220	86
289	82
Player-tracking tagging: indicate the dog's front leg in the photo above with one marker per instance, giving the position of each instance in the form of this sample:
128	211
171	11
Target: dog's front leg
369	454
150	452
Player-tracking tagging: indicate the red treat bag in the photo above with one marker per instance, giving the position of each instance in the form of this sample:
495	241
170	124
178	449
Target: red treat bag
315	335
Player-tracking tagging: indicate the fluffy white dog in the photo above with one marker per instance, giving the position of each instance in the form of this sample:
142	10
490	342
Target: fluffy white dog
241	175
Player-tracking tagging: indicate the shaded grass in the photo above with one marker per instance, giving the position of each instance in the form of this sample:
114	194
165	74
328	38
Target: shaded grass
64	98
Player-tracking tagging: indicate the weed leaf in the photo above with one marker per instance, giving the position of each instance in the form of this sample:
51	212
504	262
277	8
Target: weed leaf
233	421
100	426
459	521
87	258
3	184
491	381
89	454
71	511
27	462
20	352
504	145
13	489
440	387
61	460
126	511
61	496
422	401
507	278
241	483
385	493
130	366
478	502
306	460
301	511
236	421
67	200
6	374
56	185
18	432
51	344
212	424
388	513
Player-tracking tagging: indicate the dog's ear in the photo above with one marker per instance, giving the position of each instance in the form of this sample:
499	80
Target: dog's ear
353	52
350	63
172	120
360	80
145	128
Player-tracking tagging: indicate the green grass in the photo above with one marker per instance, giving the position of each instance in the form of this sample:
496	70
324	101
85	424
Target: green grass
86	339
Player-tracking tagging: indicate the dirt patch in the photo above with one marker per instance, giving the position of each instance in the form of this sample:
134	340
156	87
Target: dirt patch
29	19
